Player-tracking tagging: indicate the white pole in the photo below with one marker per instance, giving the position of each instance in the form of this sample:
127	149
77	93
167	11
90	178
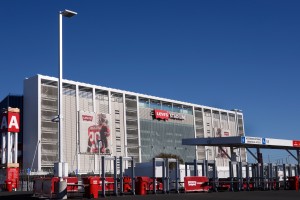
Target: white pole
60	124
62	167
4	149
8	150
16	148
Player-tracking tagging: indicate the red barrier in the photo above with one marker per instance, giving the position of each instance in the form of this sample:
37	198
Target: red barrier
49	186
224	184
158	184
141	184
109	184
127	184
196	184
72	184
251	184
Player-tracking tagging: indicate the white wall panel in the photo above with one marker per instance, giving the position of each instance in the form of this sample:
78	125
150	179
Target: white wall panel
69	114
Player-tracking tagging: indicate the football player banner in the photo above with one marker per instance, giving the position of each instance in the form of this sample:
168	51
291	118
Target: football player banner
94	132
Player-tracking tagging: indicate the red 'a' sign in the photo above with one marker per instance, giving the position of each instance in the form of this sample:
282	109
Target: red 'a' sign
10	122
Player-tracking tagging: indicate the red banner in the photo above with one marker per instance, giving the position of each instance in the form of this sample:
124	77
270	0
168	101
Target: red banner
296	143
161	114
196	184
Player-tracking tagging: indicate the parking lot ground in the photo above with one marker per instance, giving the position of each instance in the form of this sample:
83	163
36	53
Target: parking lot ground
252	195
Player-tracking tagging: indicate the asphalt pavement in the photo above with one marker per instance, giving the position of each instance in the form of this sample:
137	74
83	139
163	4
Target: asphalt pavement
251	195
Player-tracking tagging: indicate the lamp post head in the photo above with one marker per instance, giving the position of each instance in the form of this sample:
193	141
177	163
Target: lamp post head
68	13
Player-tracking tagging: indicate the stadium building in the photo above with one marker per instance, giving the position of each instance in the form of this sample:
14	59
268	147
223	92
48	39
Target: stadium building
104	121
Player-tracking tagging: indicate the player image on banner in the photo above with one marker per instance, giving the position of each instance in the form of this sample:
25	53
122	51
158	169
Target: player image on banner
98	135
94	132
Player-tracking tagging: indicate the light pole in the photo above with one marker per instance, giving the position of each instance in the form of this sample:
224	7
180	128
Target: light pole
65	13
63	186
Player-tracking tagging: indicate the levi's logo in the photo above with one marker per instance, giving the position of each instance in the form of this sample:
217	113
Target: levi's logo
87	118
161	114
192	183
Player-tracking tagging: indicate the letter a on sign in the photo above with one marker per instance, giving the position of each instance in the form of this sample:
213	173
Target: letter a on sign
4	122
13	123
10	122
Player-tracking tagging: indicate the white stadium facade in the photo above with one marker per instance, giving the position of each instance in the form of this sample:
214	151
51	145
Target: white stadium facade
104	121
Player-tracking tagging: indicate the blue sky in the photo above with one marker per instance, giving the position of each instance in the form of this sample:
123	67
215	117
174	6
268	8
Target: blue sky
225	54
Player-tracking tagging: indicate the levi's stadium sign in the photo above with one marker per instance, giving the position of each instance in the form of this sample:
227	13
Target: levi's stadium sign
87	118
161	114
165	115
177	116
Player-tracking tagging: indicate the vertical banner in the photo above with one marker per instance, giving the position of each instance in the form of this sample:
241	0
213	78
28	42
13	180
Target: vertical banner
94	132
221	154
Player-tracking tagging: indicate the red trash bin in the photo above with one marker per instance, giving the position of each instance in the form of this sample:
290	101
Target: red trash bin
293	182
91	186
94	182
9	186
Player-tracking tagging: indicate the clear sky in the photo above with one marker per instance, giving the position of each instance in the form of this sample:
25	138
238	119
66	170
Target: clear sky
226	54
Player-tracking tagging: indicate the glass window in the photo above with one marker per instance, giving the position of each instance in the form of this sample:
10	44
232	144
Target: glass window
224	116
85	92
167	106
216	115
231	117
207	113
198	109
187	110
144	103
155	104
177	108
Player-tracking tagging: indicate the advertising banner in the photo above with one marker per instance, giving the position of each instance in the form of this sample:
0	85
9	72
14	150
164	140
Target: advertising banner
161	114
296	143
196	184
251	140
94	132
277	142
165	115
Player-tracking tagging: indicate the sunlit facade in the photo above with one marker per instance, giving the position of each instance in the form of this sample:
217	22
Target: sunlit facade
104	121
